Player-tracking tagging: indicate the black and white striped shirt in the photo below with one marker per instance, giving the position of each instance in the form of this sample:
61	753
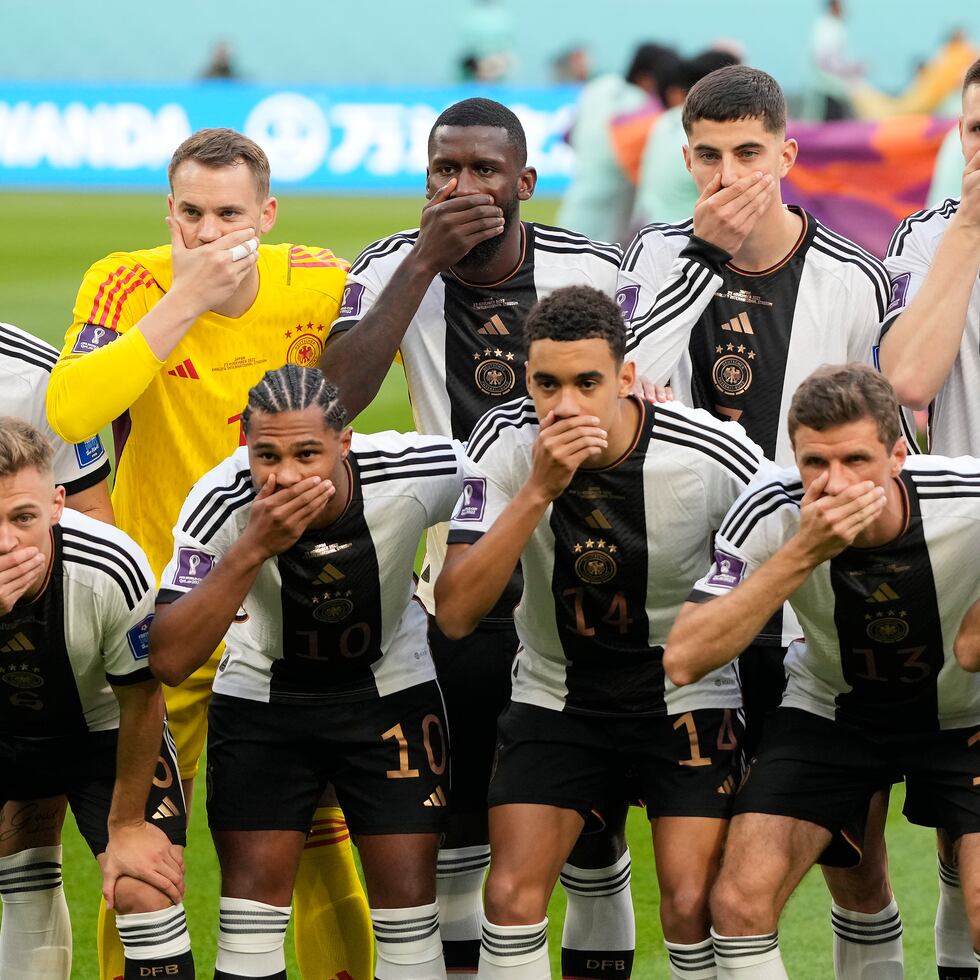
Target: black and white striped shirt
86	630
25	369
333	617
879	622
613	558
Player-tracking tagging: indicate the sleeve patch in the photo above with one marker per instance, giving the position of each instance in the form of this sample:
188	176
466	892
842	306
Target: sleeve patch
727	571
350	305
193	567
900	289
627	298
139	639
91	337
473	502
89	452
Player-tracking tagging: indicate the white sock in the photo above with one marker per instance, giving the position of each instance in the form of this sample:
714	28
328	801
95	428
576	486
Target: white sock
953	944
515	952
692	961
459	891
408	943
598	938
250	936
35	938
748	957
867	945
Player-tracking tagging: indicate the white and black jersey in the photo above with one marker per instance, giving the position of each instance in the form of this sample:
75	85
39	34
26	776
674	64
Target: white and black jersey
25	369
879	622
87	629
739	343
954	415
464	350
333	617
613	558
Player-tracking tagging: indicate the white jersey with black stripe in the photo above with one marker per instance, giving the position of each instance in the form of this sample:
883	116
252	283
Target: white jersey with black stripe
333	617
25	369
954	415
464	350
739	343
879	622
86	630
613	557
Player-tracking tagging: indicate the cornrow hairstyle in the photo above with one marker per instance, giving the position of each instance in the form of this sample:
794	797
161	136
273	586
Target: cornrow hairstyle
293	389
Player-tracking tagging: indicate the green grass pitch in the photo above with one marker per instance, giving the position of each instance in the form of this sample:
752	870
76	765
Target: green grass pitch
46	243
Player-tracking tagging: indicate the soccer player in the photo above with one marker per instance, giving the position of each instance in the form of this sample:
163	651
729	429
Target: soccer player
450	299
736	307
165	344
930	351
300	545
608	503
83	468
81	717
870	548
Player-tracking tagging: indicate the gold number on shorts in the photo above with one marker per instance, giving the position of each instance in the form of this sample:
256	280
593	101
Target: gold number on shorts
687	721
166	781
403	771
727	739
427	722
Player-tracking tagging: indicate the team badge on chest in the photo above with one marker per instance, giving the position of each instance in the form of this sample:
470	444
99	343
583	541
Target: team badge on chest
595	564
494	373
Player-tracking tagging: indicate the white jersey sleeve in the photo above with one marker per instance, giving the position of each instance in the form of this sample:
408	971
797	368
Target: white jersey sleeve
126	626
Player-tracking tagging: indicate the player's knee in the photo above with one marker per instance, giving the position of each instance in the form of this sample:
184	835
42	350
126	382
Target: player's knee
514	899
684	908
133	895
739	910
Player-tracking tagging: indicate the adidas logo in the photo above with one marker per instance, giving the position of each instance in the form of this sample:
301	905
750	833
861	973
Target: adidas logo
727	787
19	644
166	809
598	520
185	370
739	324
438	798
329	574
884	593
494	327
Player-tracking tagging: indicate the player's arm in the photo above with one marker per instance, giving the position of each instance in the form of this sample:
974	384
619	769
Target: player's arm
89	390
186	631
357	360
919	348
474	576
93	501
966	646
136	848
707	635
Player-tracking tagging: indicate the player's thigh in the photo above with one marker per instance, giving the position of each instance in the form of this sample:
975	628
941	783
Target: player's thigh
187	713
399	869
391	766
259	865
475	677
603	839
31	823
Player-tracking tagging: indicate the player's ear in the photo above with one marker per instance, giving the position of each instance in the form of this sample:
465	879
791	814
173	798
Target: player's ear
627	378
170	203
269	211
899	454
526	182
345	438
788	156
58	504
686	150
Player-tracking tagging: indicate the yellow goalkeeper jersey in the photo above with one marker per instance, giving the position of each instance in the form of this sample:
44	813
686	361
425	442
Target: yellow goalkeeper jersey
173	421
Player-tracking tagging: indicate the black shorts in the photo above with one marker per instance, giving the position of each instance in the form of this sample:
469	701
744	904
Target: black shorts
83	768
474	674
762	677
388	760
681	766
811	768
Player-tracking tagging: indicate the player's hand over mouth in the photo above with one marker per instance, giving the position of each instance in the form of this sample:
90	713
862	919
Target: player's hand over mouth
280	516
451	226
562	446
829	524
725	216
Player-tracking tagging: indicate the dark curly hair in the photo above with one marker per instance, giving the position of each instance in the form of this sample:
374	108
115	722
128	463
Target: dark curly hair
577	313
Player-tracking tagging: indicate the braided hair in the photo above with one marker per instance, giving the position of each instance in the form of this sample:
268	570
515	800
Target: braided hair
293	389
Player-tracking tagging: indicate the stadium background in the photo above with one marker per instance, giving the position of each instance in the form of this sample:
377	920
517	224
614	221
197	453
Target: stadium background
49	237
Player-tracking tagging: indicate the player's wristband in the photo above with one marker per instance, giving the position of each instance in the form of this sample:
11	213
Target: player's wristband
707	254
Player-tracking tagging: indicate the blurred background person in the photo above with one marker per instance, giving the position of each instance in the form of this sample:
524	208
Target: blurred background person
833	72
220	64
599	200
572	65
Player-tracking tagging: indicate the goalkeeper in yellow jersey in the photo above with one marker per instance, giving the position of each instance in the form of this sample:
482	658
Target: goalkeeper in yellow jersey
165	344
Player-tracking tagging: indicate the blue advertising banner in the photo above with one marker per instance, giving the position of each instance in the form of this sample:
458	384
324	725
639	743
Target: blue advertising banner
329	139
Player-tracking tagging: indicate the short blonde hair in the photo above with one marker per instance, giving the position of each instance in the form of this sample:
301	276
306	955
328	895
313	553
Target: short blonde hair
223	148
22	446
